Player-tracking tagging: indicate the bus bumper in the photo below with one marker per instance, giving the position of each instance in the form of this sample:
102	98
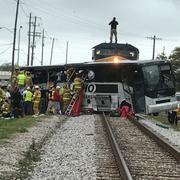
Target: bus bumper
161	107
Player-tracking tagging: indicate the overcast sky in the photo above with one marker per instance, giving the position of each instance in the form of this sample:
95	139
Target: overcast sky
84	24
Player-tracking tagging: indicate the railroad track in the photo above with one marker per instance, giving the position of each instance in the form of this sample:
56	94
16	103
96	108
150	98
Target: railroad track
140	153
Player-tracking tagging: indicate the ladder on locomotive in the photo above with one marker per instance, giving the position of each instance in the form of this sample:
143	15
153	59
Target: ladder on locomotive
73	100
71	104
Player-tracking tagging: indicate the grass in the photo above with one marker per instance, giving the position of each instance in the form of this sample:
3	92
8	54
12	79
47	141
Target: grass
8	127
163	119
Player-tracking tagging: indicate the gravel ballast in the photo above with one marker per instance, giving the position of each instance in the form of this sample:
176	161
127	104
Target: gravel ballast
14	149
168	133
70	153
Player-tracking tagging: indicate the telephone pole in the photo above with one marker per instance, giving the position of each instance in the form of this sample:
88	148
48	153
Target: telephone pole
33	44
67	51
42	53
154	38
19	39
52	50
14	39
29	40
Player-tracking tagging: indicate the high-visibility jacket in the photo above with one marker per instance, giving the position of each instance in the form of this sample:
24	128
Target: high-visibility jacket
28	96
77	84
66	94
61	91
21	79
50	94
37	96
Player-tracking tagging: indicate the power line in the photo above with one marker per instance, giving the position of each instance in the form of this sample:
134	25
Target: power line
6	44
24	11
5	50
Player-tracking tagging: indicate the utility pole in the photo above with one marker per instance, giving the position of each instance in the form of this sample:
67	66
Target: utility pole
66	51
19	39
154	38
29	40
42	53
14	39
33	44
52	50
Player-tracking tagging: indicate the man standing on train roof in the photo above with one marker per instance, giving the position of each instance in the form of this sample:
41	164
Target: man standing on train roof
113	24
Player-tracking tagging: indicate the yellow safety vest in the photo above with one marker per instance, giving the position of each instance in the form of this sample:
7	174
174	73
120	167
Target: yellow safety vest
77	83
21	79
28	96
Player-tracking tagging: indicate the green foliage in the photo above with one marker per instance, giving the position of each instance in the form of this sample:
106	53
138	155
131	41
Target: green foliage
175	61
8	127
5	67
161	56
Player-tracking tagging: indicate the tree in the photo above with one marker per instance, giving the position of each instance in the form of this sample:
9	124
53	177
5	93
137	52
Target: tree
5	67
175	61
161	56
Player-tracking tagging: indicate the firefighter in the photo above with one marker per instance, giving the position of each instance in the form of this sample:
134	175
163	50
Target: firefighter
77	84
70	73
21	78
2	99
28	81
14	81
5	109
66	97
36	100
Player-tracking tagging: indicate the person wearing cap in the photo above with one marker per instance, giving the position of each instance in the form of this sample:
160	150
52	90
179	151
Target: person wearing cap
36	100
56	98
28	95
28	81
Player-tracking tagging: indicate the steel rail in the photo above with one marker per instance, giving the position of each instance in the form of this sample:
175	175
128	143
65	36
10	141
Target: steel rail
123	169
160	140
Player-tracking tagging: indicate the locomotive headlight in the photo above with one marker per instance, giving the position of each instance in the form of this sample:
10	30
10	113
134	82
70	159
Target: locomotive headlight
116	60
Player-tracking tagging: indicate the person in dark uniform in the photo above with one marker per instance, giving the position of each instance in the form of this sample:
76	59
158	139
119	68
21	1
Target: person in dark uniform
113	25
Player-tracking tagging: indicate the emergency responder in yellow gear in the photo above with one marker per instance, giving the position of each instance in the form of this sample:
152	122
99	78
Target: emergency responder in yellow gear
14	81
2	94
36	100
2	99
21	78
70	73
66	96
28	81
28	95
77	84
5	109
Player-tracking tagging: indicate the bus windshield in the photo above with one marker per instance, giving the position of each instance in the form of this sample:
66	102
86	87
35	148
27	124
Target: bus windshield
158	78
